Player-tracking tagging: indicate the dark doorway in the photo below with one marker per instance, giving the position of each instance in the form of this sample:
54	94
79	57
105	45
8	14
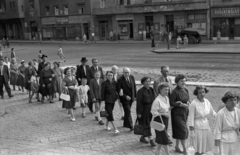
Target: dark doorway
231	28
148	25
104	30
131	30
170	22
86	29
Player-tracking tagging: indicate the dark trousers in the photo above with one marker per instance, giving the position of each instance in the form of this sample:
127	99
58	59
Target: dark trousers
90	103
7	87
109	109
127	115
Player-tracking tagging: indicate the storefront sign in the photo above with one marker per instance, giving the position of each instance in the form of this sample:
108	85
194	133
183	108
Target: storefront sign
62	20
124	17
226	12
75	19
48	21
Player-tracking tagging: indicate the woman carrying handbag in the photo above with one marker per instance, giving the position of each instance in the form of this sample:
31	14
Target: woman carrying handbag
161	112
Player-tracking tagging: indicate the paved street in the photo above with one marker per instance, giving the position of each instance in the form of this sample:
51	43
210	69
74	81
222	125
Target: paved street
45	129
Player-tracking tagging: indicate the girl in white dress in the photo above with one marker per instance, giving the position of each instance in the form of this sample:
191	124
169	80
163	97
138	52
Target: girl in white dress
83	90
227	126
199	109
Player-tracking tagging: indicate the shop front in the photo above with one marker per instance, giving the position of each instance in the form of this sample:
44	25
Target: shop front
125	26
65	28
227	21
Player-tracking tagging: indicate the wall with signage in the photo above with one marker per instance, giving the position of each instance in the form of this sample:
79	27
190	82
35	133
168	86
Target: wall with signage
226	12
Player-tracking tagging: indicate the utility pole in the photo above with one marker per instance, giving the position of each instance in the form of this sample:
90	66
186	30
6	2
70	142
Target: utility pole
168	41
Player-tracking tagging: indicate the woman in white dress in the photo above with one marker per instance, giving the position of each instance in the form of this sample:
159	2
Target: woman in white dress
199	110
161	108
227	126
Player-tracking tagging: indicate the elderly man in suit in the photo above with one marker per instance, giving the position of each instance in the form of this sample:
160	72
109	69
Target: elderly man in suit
116	76
163	78
95	91
82	70
90	75
127	91
4	79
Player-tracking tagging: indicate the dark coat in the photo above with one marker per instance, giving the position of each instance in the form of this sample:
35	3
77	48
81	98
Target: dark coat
95	89
109	91
80	74
40	67
6	73
91	72
128	90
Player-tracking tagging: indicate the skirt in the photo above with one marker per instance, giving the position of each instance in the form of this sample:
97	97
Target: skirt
145	120
21	81
48	89
179	123
229	148
73	99
109	109
14	79
57	86
162	137
204	140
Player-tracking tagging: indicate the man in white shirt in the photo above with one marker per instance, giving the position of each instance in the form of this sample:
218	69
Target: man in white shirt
93	38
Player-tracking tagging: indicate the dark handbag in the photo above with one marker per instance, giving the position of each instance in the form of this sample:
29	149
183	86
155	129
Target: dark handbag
103	114
138	129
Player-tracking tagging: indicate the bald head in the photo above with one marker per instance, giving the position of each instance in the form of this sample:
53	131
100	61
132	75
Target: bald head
126	72
115	69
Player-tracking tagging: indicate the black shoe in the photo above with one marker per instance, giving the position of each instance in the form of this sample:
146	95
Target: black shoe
152	143
11	96
143	140
101	122
96	118
74	108
91	110
131	129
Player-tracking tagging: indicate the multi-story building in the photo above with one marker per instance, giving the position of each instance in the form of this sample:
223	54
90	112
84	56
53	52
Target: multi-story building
225	16
65	19
12	19
128	17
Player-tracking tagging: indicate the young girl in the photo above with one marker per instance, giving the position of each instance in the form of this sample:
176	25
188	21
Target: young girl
34	87
83	89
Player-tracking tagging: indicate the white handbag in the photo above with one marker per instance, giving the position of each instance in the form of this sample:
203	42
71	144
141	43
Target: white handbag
65	96
156	125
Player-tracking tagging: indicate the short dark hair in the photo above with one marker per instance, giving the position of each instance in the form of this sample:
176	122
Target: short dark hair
30	63
144	79
109	72
230	95
195	92
94	59
66	69
179	77
161	86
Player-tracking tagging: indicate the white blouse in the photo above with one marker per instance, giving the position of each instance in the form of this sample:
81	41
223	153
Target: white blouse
162	104
227	125
198	112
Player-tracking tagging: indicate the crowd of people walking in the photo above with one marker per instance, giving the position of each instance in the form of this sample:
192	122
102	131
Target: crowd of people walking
89	87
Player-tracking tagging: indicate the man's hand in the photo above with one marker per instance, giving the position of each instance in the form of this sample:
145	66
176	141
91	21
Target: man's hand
128	98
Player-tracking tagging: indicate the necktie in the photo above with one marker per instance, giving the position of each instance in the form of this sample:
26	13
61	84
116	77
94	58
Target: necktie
128	81
166	79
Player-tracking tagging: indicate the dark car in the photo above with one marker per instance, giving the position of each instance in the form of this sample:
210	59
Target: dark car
194	35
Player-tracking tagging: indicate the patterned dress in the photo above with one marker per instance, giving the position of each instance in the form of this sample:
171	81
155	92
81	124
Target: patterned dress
73	93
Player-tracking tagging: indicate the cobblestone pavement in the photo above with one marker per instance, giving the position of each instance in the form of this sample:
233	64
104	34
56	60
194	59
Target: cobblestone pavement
45	129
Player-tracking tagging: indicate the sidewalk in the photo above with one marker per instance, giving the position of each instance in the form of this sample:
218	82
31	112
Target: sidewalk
117	42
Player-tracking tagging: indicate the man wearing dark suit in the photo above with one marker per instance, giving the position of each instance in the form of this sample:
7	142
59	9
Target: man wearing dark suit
82	70
116	76
90	75
41	64
4	79
95	91
126	89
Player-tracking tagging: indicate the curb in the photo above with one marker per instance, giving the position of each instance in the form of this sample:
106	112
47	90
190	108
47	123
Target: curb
191	83
191	52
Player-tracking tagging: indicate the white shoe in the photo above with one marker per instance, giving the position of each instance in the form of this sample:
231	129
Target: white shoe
73	119
116	131
108	128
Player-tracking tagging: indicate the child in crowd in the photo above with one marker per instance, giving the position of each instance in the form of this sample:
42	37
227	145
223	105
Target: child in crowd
34	87
83	96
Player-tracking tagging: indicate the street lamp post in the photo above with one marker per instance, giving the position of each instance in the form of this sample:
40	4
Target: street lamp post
168	41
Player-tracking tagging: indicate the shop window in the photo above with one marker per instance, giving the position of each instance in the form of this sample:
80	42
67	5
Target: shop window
65	10
31	5
102	3
56	10
81	9
200	16
121	2
128	2
22	8
47	8
123	29
190	17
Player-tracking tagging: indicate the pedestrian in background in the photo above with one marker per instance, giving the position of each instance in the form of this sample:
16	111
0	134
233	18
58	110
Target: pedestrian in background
6	62
60	54
185	41
21	77
179	100
85	39
7	43
93	38
3	42
70	86
226	131
13	54
161	113
57	79
179	41
199	111
109	96
83	90
153	41
14	74
145	98
95	91
40	56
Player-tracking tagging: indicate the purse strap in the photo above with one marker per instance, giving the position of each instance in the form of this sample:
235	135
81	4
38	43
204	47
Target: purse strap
157	116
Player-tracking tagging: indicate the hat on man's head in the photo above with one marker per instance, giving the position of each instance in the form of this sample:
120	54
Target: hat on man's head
84	59
44	56
22	61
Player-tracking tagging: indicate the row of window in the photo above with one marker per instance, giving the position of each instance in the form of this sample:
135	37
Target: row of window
197	16
63	10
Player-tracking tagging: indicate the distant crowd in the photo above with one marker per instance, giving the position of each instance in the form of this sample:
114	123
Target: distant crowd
88	86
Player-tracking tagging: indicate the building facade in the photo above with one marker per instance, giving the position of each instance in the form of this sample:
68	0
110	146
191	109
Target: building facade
225	16
12	19
128	18
65	19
